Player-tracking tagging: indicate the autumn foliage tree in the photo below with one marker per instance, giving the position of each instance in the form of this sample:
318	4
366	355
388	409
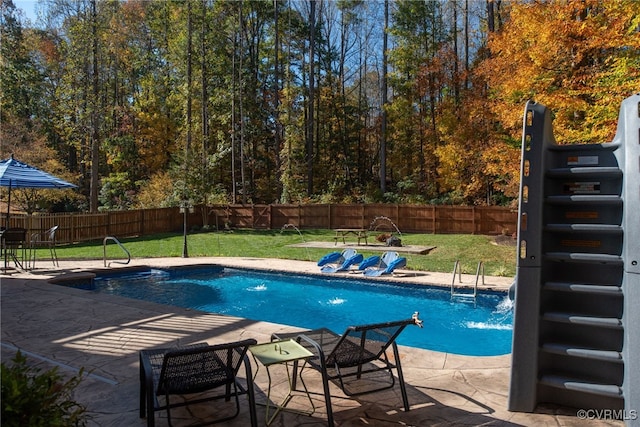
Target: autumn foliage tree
259	101
580	58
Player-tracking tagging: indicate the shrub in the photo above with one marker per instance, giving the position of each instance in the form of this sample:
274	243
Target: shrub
34	398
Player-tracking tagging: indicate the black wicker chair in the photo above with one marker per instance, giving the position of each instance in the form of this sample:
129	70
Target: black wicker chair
194	369
360	353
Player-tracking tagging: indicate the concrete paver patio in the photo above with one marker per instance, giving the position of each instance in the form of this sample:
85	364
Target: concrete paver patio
71	328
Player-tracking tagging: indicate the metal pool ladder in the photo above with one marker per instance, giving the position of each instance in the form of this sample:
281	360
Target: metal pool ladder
466	295
104	247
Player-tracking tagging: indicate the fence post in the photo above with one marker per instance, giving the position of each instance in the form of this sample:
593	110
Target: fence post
433	219
473	223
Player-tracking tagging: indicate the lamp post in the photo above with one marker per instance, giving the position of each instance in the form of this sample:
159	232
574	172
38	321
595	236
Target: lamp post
185	207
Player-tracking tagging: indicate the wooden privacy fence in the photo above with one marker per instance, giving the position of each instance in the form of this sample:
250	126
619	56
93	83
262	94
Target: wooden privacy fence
80	227
408	218
437	219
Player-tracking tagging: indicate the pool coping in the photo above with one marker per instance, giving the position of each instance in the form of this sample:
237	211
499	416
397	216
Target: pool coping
273	265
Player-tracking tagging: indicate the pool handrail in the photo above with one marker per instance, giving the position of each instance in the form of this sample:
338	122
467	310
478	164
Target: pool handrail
104	247
458	269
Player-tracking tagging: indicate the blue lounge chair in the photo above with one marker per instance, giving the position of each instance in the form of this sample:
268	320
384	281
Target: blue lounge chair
388	262
331	263
371	261
331	257
345	266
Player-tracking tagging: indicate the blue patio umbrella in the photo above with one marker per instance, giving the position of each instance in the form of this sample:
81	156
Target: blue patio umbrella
15	174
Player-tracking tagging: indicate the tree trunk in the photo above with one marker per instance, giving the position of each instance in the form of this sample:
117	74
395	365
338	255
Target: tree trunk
95	116
241	109
234	190
310	116
187	146
456	78
277	82
383	130
491	17
204	110
466	44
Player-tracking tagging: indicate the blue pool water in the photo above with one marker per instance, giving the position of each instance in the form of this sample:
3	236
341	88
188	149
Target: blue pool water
483	329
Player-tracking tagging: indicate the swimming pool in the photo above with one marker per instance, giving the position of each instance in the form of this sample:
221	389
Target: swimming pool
481	329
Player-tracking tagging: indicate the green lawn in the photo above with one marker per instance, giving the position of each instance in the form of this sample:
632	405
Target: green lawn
498	260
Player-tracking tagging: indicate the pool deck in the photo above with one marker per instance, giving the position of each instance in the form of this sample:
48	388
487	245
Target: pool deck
71	328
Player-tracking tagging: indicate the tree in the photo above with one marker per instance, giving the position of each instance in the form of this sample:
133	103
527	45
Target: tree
419	81
19	79
558	54
307	100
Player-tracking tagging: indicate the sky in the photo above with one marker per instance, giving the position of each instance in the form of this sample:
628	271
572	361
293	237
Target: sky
28	7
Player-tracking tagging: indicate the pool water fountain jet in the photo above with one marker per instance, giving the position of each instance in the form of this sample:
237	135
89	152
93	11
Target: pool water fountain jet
391	240
288	226
505	306
374	224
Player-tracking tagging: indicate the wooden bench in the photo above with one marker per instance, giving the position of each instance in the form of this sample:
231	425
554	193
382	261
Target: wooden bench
360	234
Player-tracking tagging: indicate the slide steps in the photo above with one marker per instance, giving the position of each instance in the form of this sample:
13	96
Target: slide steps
577	288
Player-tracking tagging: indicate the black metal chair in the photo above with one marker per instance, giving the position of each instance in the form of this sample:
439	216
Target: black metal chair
193	369
360	352
14	246
43	239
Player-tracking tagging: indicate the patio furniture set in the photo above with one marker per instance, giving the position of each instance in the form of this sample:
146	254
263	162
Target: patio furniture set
15	174
351	359
15	247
